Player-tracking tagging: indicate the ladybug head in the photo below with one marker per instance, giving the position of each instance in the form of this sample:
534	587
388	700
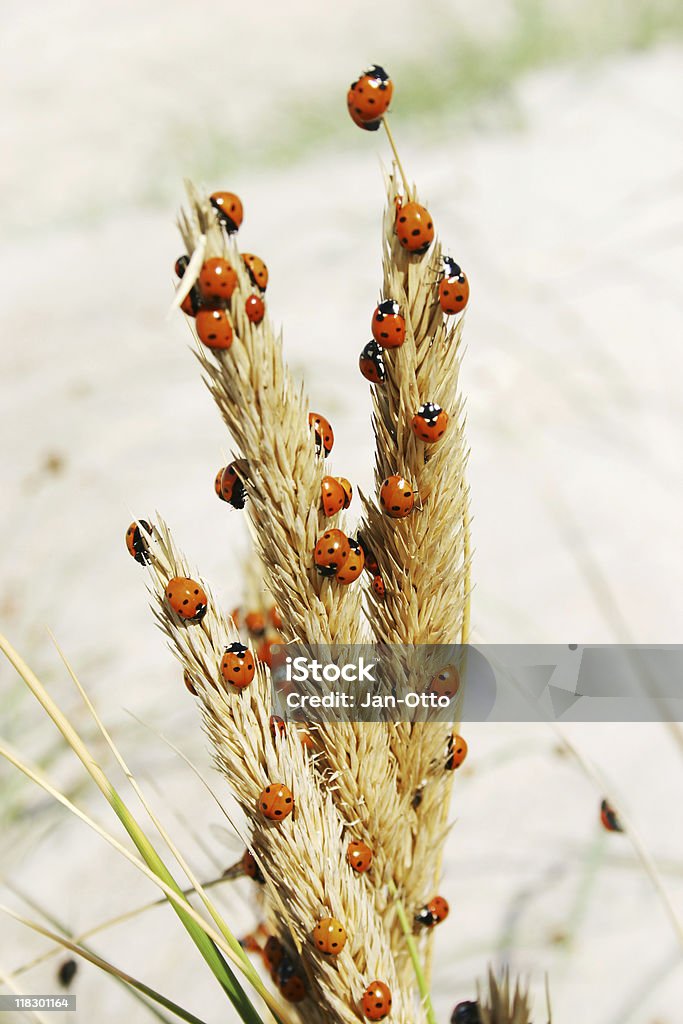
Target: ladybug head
237	648
451	268
389	307
379	74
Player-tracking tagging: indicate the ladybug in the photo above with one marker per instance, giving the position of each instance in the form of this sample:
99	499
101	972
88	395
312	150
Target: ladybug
257	270
368	126
370	560
446	683
378	586
231	487
273	952
137	543
371	363
331	552
255	623
329	936
217	279
251	869
414	227
237	666
278	726
67	972
275	617
192	302
187	679
306	740
353	567
388	325
454	288
376	1001
324	435
214	328
333	495
348	490
457	752
396	497
429	422
255	308
264	652
187	598
235	616
433	913
276	802
250	944
466	1013
228	206
289	981
181	265
359	856
608	818
369	96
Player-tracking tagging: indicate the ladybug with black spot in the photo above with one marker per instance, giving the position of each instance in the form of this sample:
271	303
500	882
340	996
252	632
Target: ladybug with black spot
370	561
255	308
414	227
187	598
257	270
466	1012
456	752
238	666
388	324
433	913
251	869
214	328
454	288
353	567
331	552
429	422
229	209
290	981
137	543
273	952
217	280
329	936
376	1002
232	489
192	302
378	587
446	682
371	363
396	496
276	801
322	430
369	97
608	818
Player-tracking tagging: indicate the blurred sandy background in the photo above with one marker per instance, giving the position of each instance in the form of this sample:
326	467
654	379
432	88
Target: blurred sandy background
546	138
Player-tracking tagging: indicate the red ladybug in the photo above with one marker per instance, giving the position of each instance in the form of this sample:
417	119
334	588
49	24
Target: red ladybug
192	302
278	726
333	495
187	598
353	566
371	363
608	818
187	679
214	328
331	552
359	856
257	270
217	279
324	435
181	265
388	325
348	490
396	497
289	981
414	227
255	623
228	206
433	913
370	561
369	96
137	543
276	801
429	422
329	936
255	308
378	586
250	944
368	126
457	752
273	952
237	666
446	683
251	869
454	288
376	1001
229	486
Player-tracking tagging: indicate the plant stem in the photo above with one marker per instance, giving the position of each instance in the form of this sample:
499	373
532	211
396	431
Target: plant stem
414	955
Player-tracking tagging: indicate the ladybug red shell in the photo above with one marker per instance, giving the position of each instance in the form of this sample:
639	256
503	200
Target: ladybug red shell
331	552
187	598
333	495
137	543
353	566
457	752
371	363
278	726
368	126
376	1002
370	561
359	856
388	324
433	913
369	96
273	952
231	487
324	435
229	209
429	422
396	497
255	308
276	801
214	328
329	936
378	586
289	980
255	623
608	818
238	666
454	288
446	683
251	869
257	270
192	302
414	227
275	617
217	279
